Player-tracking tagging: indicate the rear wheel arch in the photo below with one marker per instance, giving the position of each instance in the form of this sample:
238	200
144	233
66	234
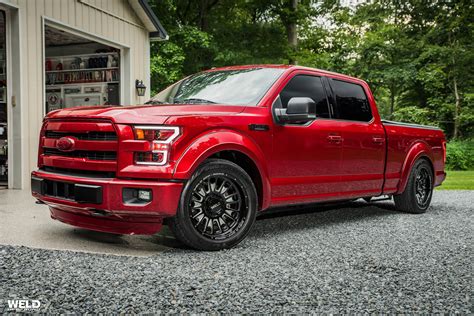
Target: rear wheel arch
419	150
417	195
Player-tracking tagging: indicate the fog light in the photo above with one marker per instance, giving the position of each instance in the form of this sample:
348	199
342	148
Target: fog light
144	195
136	196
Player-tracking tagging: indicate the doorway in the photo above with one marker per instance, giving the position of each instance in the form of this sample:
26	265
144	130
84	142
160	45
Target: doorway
79	71
3	101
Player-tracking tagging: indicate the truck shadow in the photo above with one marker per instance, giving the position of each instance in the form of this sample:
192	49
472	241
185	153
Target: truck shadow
269	223
319	216
319	208
281	220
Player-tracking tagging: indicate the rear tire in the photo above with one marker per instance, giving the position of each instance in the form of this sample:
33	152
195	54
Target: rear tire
217	208
419	190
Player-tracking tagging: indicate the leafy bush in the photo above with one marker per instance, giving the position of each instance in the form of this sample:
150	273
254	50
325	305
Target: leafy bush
413	114
460	155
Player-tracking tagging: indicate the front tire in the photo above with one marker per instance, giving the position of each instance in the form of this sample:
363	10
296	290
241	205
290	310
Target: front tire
217	208
418	193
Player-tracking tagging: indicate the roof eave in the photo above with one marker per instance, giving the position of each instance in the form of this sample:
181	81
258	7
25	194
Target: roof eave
150	20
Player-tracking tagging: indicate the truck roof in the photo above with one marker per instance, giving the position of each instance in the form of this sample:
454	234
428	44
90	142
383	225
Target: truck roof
283	66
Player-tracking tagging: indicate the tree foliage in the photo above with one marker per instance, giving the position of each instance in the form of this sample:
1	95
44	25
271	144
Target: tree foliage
416	55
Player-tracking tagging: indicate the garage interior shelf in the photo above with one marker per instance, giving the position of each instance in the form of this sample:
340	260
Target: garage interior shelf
75	70
84	55
80	83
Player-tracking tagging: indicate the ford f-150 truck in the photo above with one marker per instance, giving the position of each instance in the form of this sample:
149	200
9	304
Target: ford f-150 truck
208	153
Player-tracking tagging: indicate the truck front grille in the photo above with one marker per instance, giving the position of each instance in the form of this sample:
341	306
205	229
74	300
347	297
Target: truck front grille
91	155
94	148
99	136
79	173
59	189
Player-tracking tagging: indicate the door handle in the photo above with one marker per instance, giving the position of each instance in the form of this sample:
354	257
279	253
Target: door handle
378	140
334	139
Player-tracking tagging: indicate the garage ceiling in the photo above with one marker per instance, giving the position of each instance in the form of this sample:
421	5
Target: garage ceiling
56	37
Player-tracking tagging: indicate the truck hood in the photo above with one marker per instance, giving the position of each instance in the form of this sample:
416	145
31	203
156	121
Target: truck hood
144	114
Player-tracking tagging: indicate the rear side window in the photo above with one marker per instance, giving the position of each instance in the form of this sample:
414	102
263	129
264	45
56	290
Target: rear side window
351	101
306	86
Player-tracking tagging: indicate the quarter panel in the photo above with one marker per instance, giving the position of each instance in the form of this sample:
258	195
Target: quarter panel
405	146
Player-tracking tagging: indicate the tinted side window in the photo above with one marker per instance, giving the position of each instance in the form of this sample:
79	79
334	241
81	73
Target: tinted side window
306	86
351	101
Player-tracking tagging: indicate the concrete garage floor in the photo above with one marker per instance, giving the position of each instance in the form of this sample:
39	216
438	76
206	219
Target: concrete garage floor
25	223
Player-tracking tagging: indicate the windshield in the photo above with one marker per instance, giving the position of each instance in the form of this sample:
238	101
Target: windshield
233	87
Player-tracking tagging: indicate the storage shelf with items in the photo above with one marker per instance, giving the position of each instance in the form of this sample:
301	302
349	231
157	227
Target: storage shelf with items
101	67
83	79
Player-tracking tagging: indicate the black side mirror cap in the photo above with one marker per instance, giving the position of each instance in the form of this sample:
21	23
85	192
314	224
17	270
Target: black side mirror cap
299	109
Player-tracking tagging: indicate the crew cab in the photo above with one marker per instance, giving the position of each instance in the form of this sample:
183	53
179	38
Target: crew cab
210	152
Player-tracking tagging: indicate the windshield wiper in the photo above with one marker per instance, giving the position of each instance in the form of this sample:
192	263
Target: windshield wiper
154	102
193	101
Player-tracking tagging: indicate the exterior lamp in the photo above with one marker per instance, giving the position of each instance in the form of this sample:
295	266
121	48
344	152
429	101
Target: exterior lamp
141	88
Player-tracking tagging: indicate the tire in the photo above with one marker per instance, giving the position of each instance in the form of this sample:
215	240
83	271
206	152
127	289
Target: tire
419	190
217	208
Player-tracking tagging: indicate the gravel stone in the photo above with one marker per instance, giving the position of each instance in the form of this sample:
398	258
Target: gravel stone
354	258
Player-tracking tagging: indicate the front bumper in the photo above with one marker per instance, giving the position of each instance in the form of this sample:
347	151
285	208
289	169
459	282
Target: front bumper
98	204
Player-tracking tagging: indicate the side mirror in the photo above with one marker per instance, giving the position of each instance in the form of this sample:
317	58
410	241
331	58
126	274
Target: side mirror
300	109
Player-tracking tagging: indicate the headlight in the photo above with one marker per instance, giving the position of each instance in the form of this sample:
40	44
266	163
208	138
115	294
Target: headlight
160	138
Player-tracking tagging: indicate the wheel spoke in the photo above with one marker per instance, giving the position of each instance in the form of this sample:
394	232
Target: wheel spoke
210	225
196	204
222	223
198	213
221	187
229	220
212	186
216	223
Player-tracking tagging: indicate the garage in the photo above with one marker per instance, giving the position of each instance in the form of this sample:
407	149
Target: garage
64	53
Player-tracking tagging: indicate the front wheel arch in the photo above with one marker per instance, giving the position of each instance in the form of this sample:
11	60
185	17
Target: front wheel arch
211	145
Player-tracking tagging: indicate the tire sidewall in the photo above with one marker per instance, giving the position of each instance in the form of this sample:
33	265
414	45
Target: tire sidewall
412	189
245	184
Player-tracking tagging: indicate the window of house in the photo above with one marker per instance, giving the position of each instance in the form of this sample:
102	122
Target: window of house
306	86
351	101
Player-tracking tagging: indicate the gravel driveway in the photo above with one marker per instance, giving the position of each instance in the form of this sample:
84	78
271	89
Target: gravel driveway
351	259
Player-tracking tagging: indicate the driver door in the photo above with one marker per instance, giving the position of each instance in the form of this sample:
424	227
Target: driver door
306	161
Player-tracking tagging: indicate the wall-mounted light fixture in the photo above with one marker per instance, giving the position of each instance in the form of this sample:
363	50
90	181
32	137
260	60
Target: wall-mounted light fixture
141	88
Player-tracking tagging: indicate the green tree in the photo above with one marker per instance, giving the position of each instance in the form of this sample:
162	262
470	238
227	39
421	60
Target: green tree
416	55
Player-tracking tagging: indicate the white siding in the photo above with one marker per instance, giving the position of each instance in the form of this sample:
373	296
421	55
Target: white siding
118	23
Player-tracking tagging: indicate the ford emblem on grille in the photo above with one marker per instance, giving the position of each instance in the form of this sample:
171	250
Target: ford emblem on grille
65	144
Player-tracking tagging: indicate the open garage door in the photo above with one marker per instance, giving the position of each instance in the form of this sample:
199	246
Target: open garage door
79	71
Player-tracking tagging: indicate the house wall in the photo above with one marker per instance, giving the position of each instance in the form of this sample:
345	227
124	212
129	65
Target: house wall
111	20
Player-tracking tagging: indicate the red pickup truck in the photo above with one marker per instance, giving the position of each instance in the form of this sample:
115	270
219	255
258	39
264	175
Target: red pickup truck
209	152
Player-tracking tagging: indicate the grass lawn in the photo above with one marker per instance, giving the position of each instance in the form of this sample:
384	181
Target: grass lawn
458	180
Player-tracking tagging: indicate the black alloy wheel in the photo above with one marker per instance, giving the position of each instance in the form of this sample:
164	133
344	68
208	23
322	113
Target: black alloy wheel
419	190
423	186
218	207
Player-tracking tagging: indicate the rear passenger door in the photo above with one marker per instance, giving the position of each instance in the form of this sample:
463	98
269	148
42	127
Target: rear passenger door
363	140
